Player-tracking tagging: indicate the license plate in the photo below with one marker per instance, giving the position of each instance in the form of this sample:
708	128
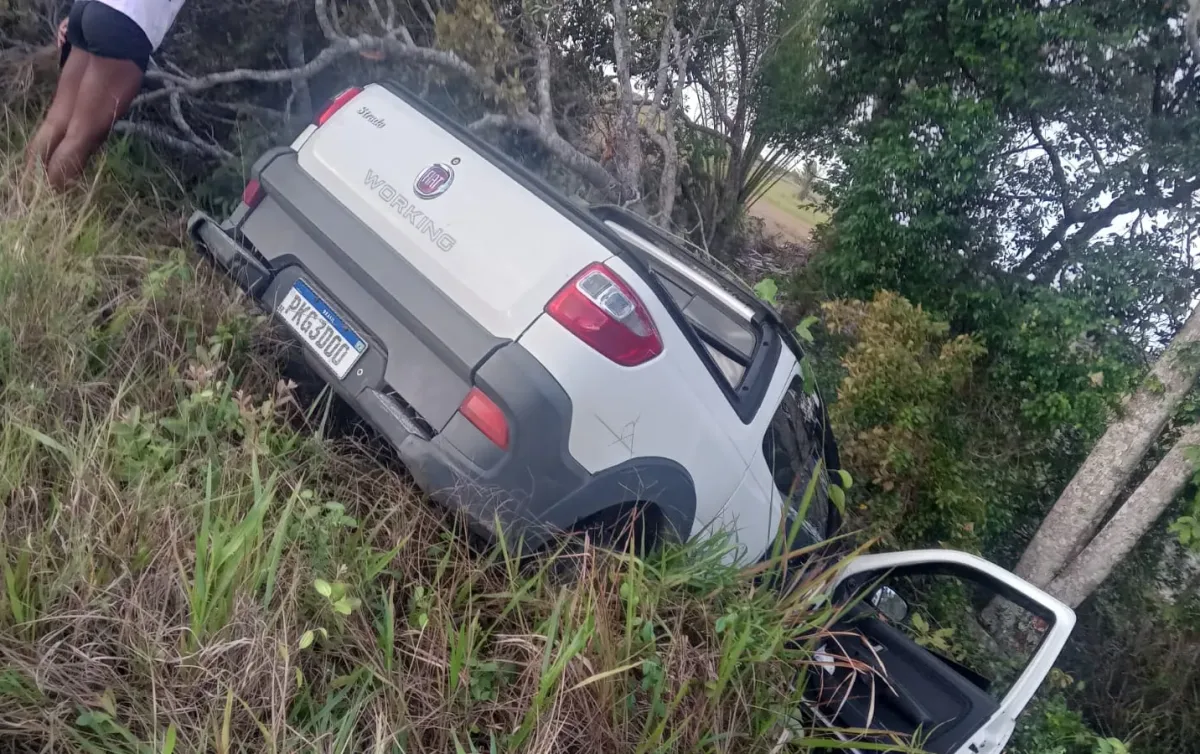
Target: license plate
321	329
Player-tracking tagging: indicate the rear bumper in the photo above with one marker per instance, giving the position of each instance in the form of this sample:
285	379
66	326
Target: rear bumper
451	460
423	357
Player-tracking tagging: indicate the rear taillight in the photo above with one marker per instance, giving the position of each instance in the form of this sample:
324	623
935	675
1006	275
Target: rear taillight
602	311
252	195
487	417
335	104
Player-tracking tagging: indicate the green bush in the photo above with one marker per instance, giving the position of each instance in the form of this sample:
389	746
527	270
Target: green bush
898	417
1051	726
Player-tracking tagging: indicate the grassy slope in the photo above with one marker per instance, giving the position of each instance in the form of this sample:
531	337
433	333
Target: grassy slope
185	560
785	214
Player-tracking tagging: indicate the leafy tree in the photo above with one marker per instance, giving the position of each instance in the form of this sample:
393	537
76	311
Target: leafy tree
987	139
1027	171
752	77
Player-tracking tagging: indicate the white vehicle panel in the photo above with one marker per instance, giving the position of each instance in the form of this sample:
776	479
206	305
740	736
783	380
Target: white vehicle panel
669	407
753	514
499	251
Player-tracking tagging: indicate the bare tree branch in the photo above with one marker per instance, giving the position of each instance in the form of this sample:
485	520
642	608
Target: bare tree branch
251	109
443	59
706	130
1072	216
664	56
334	20
326	58
323	21
541	47
718	100
165	138
574	159
389	25
378	16
190	135
491	121
536	118
1101	219
1056	167
429	10
627	147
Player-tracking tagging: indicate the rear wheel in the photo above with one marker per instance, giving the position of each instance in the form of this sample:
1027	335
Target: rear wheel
629	527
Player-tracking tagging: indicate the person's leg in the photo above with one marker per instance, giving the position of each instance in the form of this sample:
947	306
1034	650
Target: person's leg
58	117
74	57
105	93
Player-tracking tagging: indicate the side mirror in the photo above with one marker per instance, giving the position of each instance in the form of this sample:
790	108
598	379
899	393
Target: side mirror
892	605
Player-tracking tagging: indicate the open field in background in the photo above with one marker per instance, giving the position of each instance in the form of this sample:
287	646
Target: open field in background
785	214
191	560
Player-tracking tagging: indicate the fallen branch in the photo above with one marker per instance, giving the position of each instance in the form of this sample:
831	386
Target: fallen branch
536	117
190	134
577	161
163	137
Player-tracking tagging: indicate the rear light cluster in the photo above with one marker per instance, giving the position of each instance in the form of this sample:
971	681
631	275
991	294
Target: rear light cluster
600	309
253	194
335	104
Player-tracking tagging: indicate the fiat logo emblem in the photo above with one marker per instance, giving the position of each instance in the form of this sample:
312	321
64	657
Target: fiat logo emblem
433	181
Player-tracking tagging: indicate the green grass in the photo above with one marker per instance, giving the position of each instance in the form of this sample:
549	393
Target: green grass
190	564
784	195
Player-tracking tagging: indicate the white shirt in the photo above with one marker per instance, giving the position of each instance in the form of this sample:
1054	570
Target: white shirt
154	16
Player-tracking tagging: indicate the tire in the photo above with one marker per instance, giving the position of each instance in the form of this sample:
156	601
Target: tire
629	527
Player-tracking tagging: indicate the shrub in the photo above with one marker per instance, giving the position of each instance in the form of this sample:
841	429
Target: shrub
898	417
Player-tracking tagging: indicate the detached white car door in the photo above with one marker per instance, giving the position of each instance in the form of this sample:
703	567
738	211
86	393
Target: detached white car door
884	669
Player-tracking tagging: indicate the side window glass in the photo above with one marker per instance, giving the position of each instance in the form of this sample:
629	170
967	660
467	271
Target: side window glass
792	447
732	371
959	620
727	343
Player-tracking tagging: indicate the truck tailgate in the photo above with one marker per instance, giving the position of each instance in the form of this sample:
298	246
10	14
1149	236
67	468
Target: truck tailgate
488	243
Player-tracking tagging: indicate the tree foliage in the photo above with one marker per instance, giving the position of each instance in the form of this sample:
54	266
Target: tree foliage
1057	142
898	413
750	77
1024	171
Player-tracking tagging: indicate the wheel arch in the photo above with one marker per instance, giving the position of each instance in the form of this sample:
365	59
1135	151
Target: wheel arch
659	484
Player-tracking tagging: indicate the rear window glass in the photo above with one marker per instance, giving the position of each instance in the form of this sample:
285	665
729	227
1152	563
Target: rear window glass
731	370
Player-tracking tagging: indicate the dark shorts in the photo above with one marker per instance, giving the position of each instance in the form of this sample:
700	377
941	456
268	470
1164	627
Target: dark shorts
106	33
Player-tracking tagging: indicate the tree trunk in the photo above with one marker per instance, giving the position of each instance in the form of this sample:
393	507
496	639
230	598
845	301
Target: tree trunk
301	111
1090	495
1119	536
1191	24
627	145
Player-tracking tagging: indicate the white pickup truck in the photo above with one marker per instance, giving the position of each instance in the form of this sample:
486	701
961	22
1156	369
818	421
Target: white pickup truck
540	366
